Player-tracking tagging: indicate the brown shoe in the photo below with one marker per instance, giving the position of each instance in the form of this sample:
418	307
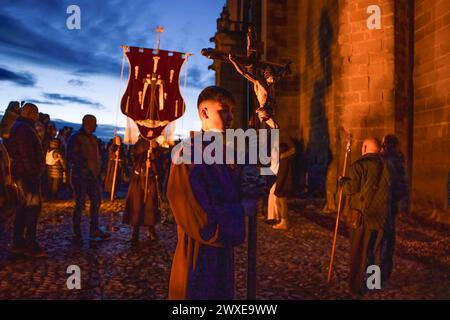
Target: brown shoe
281	226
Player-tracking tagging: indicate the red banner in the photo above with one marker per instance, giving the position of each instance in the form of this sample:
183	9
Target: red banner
152	97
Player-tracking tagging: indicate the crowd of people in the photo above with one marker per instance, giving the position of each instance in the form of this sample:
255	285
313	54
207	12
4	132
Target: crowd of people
209	202
53	143
38	162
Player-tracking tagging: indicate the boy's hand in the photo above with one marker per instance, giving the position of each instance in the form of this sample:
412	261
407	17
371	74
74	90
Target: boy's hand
343	180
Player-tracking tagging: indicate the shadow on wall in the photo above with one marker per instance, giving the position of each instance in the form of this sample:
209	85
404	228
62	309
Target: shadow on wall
300	182
318	154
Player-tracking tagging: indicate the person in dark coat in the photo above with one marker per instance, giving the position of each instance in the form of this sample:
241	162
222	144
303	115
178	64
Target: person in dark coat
370	187
62	137
114	147
50	134
83	161
11	114
40	129
44	119
390	150
28	165
6	181
4	173
137	211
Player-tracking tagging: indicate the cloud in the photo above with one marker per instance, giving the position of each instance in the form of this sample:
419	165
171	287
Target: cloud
41	36
73	99
197	78
38	102
194	76
20	78
17	41
76	82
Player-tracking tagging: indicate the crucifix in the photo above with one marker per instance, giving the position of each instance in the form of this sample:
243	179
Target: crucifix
262	75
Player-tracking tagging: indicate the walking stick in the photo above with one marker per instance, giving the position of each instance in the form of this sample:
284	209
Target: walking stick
158	189
116	164
147	169
340	197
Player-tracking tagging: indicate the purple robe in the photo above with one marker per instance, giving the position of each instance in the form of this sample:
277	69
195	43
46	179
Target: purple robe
205	201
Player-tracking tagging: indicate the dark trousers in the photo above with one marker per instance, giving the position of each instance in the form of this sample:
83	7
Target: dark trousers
27	212
86	185
387	262
370	247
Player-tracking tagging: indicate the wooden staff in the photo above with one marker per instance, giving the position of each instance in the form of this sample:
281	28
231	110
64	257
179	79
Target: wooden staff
340	197
147	170
116	165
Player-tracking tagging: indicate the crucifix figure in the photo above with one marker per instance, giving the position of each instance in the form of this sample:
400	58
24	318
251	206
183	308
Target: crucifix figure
263	75
264	87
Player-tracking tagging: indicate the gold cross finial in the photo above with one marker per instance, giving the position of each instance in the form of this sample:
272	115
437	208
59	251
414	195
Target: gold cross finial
159	30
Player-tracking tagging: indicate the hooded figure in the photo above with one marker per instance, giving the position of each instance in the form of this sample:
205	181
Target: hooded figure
139	211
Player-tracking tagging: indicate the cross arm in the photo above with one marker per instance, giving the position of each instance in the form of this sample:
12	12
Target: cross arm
217	55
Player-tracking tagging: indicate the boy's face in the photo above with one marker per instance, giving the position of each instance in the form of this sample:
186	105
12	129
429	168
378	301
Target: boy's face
216	116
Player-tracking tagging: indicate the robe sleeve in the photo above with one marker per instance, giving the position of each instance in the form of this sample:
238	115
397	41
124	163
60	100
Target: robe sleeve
195	213
224	220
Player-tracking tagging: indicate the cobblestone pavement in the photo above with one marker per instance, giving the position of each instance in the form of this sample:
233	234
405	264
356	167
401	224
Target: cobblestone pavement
291	264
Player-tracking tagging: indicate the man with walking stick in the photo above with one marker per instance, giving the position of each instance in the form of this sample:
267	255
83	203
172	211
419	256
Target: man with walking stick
370	185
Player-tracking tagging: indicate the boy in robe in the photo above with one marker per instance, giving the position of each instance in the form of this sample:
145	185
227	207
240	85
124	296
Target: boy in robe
207	204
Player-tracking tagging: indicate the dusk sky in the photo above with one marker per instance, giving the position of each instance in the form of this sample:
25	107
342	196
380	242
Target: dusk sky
69	73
